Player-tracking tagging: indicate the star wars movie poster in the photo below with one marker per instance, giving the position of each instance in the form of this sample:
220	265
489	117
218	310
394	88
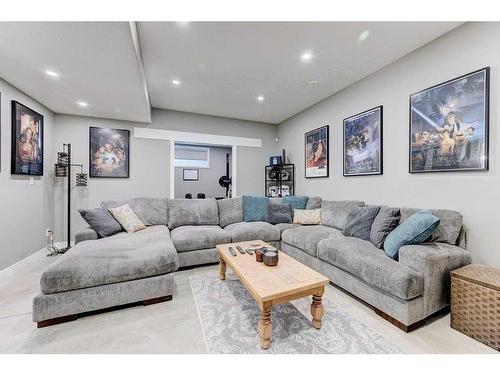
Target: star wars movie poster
449	125
363	143
109	152
316	153
27	141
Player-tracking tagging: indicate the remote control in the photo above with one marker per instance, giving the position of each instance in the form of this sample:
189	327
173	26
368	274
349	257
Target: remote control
231	250
250	252
240	249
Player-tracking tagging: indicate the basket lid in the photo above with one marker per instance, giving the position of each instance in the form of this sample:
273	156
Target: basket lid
479	274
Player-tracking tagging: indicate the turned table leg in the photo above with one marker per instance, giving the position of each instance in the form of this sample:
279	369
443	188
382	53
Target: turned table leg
222	269
265	327
317	310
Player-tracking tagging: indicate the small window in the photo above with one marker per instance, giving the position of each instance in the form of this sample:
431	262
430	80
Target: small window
192	156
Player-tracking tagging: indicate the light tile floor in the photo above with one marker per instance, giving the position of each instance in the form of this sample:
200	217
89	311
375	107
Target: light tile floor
170	327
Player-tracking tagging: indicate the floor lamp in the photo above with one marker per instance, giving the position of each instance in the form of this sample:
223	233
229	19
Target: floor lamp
63	169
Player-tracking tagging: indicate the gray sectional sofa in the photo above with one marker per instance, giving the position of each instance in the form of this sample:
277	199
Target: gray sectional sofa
100	273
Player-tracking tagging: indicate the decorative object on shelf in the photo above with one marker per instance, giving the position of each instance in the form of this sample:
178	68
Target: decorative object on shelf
316	152
275	160
190	174
449	125
363	143
109	152
280	180
63	169
27	141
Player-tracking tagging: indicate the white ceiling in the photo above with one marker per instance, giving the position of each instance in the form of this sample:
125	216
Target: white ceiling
96	62
225	66
222	66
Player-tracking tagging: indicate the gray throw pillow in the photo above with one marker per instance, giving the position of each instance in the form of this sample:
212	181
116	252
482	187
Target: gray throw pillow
101	220
359	222
279	213
385	222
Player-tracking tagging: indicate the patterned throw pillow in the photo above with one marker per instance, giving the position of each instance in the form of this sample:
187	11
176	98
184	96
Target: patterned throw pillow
307	217
127	218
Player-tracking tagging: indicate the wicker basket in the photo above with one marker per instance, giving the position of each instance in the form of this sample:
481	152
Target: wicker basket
475	303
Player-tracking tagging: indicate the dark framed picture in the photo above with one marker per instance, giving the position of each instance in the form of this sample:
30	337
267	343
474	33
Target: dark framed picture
109	152
316	153
363	143
27	141
449	125
190	174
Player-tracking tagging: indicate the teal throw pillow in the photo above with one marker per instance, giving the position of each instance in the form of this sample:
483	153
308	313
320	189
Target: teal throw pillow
254	208
298	203
414	230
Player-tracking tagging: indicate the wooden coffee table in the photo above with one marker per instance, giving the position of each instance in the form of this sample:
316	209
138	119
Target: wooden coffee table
272	286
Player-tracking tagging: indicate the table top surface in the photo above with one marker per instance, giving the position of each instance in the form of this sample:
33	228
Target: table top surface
480	274
267	283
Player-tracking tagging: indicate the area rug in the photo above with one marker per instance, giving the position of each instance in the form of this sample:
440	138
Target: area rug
229	317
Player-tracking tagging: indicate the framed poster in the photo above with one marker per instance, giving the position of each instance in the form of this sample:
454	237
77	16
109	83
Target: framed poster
27	141
109	152
363	143
316	153
449	125
190	174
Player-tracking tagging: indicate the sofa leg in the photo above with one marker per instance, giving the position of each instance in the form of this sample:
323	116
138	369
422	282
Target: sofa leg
69	318
398	324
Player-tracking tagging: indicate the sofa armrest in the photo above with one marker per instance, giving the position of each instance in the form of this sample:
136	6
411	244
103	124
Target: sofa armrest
435	261
86	234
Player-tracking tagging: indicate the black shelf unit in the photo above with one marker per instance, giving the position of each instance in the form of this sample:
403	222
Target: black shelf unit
279	180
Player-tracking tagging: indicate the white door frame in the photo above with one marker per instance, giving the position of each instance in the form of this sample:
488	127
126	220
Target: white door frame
202	139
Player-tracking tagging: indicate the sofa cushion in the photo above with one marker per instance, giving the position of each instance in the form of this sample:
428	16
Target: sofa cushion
448	228
254	208
306	238
230	211
256	230
297	202
151	211
114	259
416	229
279	213
359	222
386	220
101	221
334	213
363	260
192	212
313	203
284	226
191	237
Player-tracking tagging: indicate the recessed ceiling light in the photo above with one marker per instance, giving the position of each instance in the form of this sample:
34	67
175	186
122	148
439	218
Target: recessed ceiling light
83	104
313	82
51	73
260	98
176	82
363	36
307	56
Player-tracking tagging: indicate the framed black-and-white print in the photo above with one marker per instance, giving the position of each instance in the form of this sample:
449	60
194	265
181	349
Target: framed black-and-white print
363	143
27	141
109	152
449	125
316	153
190	174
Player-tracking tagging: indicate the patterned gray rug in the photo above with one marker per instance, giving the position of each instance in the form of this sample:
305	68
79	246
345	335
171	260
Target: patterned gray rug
229	317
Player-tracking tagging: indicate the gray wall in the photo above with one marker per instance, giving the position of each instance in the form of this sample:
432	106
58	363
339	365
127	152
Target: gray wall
475	194
208	182
149	159
25	210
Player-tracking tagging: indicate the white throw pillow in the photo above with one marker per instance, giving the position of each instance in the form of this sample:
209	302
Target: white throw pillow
307	217
127	218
